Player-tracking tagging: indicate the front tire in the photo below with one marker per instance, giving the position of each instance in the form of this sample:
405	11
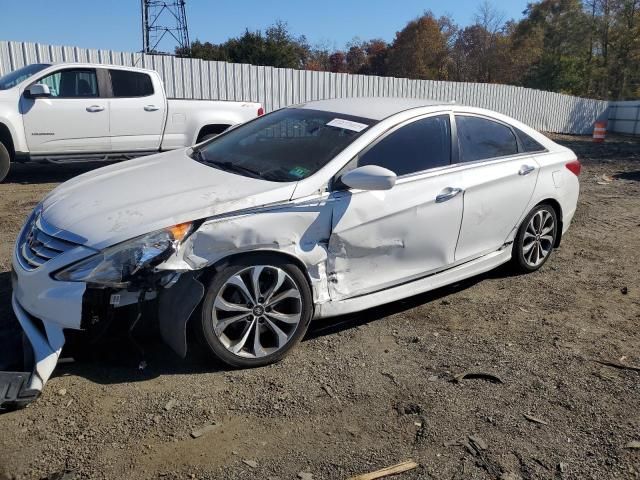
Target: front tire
535	239
256	309
5	162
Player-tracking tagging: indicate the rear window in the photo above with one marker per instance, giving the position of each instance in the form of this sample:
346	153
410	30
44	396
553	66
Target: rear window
528	143
481	138
130	84
285	146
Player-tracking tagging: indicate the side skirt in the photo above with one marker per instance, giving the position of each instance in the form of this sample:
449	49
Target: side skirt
455	274
82	157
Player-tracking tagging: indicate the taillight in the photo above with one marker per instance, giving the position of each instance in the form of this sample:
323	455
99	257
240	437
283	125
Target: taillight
574	167
260	111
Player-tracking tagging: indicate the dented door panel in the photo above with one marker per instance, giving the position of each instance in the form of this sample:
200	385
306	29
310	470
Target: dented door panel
382	238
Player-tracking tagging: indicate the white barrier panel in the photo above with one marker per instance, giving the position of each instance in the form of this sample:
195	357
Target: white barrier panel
278	87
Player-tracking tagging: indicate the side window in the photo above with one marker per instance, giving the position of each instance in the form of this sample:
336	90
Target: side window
481	138
418	146
528	143
72	83
130	84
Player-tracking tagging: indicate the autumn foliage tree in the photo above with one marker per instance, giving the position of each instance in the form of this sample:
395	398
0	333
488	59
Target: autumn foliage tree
421	49
581	47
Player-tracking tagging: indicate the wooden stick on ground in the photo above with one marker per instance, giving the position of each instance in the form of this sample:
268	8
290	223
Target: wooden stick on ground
399	468
621	366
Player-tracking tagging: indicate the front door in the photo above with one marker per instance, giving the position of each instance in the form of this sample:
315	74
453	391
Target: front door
384	238
74	119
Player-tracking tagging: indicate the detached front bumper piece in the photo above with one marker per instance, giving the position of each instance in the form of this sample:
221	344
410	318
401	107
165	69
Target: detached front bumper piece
17	389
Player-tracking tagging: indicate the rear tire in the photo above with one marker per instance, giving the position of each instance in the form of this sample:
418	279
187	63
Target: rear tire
5	162
535	239
247	326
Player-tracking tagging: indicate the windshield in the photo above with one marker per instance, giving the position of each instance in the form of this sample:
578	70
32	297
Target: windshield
285	146
12	79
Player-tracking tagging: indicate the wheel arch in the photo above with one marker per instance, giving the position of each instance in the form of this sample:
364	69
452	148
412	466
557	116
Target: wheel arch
211	128
212	269
7	140
553	203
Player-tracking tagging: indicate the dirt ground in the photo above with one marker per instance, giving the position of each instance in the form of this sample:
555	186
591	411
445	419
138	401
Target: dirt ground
375	388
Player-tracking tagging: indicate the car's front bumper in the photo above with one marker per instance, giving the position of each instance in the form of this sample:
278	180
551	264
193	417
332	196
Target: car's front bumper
46	339
44	307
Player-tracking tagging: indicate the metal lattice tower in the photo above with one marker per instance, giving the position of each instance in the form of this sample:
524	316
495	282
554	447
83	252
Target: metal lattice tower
164	25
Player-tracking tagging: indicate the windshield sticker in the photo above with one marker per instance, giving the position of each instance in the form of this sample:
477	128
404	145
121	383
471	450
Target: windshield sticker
347	125
299	172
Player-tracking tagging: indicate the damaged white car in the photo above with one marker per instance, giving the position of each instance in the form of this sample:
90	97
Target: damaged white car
311	211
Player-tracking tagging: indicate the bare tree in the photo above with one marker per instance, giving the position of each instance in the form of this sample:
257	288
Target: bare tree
489	17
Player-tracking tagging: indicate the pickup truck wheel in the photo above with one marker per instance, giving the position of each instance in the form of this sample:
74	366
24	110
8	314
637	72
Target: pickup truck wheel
256	309
5	162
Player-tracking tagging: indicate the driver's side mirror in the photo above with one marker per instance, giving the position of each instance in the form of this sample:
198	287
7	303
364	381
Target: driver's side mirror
369	177
37	90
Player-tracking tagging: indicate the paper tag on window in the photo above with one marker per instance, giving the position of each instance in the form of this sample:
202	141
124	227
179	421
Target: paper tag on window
347	125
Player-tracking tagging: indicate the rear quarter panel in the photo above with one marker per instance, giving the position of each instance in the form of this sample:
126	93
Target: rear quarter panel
557	182
186	118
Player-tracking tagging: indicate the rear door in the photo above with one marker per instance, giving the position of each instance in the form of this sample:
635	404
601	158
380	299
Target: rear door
138	110
73	119
499	180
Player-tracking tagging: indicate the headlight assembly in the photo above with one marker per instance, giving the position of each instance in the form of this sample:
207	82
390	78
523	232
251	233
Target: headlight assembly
115	266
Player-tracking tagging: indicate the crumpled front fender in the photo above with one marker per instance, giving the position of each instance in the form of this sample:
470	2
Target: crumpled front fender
175	305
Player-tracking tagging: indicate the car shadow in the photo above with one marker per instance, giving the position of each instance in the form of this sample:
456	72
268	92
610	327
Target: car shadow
120	358
633	176
331	326
37	173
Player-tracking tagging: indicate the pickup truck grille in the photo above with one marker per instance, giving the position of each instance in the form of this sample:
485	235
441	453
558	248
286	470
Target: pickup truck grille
38	247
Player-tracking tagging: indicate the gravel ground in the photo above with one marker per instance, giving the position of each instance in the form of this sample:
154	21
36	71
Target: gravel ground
372	389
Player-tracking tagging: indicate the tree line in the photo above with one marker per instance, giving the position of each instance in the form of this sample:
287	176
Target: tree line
589	48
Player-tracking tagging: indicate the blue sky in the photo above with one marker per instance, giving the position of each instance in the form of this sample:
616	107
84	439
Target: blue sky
115	24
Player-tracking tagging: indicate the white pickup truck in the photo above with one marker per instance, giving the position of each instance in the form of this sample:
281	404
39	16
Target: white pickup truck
75	111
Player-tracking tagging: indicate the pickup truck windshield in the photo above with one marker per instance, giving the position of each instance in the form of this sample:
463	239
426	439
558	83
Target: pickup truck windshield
285	146
12	79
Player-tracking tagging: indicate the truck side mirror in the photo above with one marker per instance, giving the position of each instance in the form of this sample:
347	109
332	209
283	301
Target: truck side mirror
37	90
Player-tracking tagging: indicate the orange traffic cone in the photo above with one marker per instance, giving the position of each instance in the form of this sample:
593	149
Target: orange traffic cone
599	131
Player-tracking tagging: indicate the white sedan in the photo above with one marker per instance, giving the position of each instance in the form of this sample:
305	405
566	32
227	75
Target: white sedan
311	211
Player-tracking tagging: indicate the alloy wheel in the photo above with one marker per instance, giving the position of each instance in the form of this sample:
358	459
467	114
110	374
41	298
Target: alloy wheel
257	311
538	238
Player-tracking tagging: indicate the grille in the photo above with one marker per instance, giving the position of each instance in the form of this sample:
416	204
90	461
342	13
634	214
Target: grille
38	247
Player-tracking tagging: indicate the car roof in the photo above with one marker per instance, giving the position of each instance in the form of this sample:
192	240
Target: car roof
101	65
374	108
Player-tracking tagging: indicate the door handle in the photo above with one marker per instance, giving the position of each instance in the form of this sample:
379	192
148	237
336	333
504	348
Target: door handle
526	170
151	108
447	194
95	108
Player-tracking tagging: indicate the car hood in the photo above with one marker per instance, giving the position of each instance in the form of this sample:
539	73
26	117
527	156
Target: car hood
6	95
121	201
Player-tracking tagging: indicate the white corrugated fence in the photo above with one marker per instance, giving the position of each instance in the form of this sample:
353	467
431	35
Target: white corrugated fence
278	87
624	117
